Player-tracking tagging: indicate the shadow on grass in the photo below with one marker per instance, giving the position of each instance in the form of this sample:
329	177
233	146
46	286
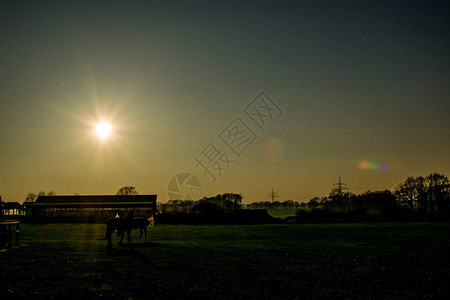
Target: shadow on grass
128	250
142	245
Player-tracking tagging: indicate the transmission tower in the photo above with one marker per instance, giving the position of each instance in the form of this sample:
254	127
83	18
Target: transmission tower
339	188
273	195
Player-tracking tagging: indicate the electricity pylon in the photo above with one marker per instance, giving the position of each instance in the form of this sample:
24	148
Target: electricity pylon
273	195
339	188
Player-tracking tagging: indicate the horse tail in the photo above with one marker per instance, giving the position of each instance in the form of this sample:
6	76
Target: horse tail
109	229
108	233
151	221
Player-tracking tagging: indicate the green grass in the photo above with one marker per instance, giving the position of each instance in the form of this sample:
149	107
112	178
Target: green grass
371	261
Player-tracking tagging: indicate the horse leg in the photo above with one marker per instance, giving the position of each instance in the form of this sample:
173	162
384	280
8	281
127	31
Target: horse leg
129	241
145	231
108	237
140	234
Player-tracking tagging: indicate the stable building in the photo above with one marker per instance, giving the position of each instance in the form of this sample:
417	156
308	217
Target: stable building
89	207
12	209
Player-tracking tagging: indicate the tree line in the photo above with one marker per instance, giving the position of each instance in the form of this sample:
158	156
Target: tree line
125	190
425	194
428	194
422	194
220	202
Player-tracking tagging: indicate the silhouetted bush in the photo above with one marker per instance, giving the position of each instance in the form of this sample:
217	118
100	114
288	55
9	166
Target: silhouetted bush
207	208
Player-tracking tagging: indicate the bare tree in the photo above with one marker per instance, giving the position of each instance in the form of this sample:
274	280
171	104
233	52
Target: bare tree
437	191
127	190
431	193
411	192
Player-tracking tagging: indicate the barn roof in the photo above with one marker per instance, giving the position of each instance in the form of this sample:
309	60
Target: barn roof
94	201
13	205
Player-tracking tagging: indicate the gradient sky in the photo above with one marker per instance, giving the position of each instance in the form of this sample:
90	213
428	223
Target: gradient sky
357	81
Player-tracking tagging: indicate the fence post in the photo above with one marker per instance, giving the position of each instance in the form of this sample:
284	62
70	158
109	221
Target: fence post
17	234
9	235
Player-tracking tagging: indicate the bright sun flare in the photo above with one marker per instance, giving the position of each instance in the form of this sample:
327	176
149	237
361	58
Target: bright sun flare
103	129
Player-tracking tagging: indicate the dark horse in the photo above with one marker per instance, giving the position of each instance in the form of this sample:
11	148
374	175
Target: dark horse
111	225
122	226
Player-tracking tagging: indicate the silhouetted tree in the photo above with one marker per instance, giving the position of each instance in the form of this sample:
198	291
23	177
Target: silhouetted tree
287	204
231	200
226	201
313	203
427	194
1	206
411	193
437	192
207	208
183	203
30	197
290	204
377	202
127	190
340	201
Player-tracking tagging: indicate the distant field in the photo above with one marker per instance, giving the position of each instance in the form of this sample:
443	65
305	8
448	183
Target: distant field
282	212
371	261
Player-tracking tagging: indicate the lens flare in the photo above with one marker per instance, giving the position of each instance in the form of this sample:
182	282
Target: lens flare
364	164
368	165
384	168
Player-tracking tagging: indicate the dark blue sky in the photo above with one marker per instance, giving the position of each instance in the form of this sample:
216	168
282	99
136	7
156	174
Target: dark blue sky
357	81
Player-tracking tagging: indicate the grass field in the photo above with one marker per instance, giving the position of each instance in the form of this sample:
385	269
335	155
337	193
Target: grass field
371	261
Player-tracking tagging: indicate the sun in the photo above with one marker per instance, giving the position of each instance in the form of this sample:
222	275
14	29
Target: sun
103	129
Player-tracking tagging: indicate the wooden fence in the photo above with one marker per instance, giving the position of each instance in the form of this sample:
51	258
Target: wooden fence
7	230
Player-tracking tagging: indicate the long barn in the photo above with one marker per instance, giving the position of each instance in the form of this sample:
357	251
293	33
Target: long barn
89	207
